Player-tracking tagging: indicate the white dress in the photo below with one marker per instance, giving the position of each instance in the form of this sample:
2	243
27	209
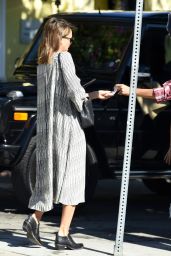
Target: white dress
61	145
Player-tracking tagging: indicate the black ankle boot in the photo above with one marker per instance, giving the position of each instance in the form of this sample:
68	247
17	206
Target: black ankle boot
66	242
32	228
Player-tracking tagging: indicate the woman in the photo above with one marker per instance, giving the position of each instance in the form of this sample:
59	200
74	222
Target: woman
61	145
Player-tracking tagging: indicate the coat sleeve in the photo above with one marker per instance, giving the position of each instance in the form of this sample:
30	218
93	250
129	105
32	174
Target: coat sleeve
164	93
76	92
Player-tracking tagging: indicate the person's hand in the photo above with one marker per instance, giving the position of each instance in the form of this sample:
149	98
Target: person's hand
167	157
122	89
101	94
104	94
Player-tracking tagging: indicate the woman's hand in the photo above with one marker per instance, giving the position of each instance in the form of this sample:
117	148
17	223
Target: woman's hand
122	89
101	94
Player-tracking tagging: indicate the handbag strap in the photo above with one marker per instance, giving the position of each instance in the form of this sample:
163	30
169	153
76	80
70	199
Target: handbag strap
59	62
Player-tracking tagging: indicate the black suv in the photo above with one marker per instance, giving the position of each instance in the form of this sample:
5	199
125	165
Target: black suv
102	49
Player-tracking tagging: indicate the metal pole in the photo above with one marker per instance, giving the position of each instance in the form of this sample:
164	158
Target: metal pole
118	248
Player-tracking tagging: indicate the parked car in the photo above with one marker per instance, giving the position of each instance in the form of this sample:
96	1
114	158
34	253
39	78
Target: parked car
103	50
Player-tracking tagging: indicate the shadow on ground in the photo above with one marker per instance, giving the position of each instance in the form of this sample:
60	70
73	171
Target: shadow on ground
147	219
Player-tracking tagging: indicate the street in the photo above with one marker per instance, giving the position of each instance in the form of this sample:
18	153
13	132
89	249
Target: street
147	232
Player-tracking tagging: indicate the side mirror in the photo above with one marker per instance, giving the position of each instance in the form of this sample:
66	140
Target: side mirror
15	94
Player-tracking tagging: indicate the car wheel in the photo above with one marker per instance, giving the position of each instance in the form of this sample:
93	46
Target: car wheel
159	186
24	174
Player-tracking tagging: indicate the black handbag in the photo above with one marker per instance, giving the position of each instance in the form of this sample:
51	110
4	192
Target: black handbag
87	114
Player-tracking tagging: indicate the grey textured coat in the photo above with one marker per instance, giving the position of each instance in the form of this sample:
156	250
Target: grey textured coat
61	146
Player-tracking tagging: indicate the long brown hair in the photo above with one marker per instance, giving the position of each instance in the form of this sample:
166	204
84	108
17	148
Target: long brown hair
54	30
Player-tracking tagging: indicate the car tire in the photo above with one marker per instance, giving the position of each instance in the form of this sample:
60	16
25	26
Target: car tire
159	186
24	174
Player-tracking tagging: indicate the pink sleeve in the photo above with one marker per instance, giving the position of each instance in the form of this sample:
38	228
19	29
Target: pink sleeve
163	93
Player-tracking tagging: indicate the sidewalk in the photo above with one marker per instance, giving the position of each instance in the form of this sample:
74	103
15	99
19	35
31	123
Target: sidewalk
98	239
148	228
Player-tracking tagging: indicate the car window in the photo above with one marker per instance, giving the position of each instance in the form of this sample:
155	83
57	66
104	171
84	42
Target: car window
100	47
31	58
97	47
156	54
